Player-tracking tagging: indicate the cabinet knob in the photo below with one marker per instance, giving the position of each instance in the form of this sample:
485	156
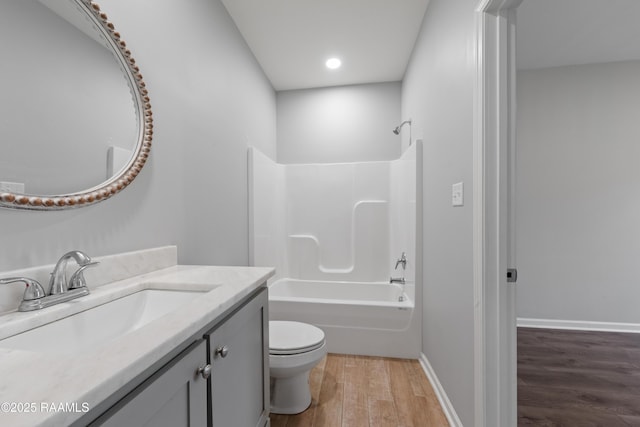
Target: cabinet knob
222	351
205	371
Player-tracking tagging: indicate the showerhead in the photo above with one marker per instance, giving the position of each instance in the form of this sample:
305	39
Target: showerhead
397	129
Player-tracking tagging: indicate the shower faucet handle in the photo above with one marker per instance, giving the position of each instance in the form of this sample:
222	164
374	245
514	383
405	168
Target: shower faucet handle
402	260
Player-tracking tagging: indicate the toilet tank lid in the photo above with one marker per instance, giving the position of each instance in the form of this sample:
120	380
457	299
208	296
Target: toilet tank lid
288	335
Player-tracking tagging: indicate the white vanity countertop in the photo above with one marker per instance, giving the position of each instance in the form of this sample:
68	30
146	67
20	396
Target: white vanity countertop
44	381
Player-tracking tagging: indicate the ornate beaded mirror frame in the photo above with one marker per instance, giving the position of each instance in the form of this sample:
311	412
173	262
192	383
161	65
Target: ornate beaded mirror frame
144	130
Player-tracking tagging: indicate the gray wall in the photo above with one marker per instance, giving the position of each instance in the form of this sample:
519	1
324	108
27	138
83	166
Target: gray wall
210	101
438	94
339	124
578	239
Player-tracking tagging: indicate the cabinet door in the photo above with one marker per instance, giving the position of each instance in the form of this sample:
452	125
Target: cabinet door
239	357
175	396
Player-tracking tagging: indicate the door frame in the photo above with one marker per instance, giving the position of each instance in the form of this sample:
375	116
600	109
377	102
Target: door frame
495	353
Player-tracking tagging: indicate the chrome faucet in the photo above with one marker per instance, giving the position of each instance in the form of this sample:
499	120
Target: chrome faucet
35	298
402	260
58	283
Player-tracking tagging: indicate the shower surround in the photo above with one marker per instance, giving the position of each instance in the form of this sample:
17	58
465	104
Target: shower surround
337	226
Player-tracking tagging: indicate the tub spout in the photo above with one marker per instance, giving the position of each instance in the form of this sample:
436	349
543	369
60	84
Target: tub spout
396	280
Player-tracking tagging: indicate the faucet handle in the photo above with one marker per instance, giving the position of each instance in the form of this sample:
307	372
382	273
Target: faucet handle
77	279
402	260
33	291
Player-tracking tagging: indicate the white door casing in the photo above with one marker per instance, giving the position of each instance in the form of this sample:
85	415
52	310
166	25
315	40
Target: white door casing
494	240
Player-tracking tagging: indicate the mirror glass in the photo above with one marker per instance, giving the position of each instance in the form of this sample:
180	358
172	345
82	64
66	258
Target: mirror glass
68	115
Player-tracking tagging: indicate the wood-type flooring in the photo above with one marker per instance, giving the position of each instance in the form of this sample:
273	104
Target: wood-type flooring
578	378
362	391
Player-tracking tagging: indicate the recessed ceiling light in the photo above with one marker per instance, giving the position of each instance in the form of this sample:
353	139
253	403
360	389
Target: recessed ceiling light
333	63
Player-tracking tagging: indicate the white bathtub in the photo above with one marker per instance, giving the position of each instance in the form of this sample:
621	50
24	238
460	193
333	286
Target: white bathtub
357	317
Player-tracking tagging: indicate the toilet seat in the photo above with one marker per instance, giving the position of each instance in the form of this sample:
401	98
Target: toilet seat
289	338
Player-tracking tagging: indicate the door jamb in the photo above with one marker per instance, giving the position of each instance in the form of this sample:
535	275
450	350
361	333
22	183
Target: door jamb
495	397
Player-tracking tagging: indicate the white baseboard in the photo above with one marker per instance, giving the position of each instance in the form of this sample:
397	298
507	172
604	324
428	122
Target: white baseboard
445	403
581	325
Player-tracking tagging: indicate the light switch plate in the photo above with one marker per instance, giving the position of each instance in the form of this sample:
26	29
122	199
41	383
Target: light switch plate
457	194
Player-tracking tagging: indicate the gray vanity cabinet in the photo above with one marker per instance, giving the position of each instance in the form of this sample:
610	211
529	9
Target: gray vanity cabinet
233	353
239	358
176	396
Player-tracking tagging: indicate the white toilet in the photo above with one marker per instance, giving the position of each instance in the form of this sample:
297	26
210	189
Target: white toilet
294	349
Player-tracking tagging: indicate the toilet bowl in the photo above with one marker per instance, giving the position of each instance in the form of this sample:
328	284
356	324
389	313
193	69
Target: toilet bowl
294	349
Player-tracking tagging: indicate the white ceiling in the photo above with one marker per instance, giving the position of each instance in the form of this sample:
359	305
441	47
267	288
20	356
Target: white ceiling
292	39
552	33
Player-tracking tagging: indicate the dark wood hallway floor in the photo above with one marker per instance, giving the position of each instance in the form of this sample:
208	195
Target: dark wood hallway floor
578	378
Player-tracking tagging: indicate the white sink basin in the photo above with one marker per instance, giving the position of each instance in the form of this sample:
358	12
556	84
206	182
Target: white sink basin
99	325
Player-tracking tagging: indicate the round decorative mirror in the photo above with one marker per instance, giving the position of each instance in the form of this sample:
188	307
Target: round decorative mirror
75	118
